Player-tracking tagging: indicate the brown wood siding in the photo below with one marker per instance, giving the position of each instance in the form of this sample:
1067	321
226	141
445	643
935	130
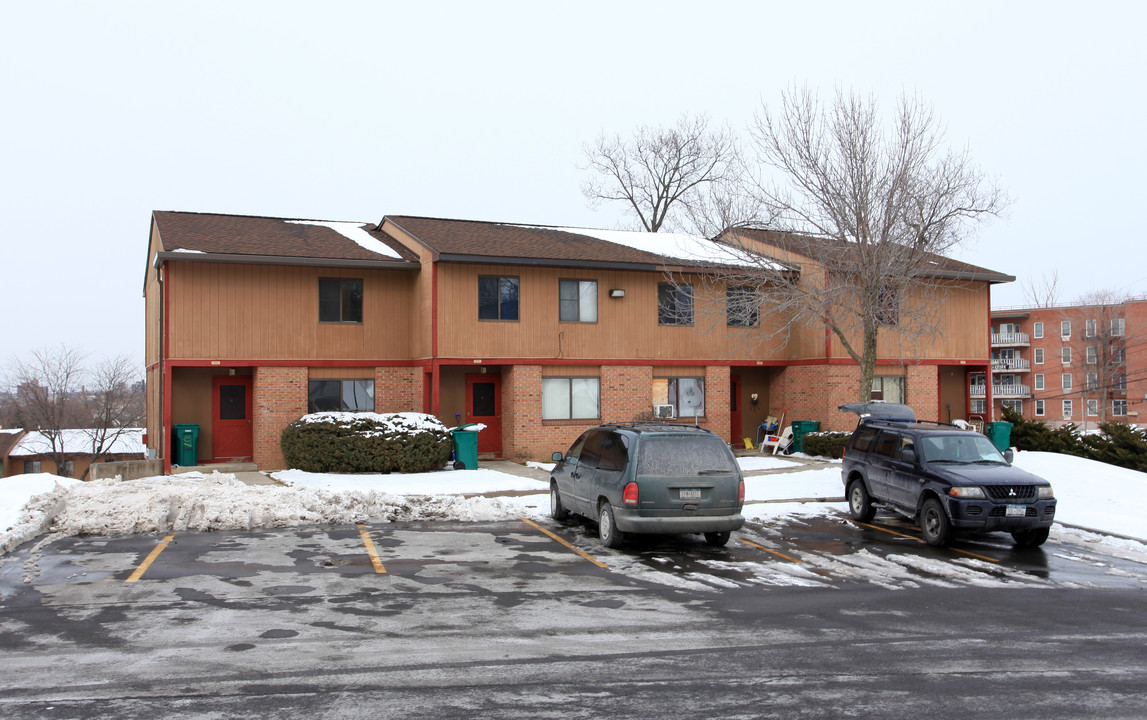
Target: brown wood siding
151	299
271	312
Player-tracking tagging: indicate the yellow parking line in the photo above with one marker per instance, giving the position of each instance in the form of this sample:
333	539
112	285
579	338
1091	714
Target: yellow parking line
771	552
374	558
139	571
585	555
920	540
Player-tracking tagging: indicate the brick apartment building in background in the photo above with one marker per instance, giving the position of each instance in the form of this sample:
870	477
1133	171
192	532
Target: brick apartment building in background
1081	364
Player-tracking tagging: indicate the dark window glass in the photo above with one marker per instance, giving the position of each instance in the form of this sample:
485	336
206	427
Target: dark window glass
340	396
323	396
232	402
674	304
484	405
864	438
744	307
497	298
886	445
608	451
340	300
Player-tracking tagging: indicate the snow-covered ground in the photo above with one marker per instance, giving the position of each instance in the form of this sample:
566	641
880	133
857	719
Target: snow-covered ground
1099	497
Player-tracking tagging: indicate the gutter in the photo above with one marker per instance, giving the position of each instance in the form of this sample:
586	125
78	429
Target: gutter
283	260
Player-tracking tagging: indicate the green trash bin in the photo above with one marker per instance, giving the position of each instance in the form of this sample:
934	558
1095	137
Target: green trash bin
465	447
186	445
1000	433
800	429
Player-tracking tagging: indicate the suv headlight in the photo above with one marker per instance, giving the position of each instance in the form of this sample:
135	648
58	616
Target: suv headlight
968	493
1044	492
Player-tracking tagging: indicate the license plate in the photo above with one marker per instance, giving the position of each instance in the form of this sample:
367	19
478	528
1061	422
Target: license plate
690	494
1016	511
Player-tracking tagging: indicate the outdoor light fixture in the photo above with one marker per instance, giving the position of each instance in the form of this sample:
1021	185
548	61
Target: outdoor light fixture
617	293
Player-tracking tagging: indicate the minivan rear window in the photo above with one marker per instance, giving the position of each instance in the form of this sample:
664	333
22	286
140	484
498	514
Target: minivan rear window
678	455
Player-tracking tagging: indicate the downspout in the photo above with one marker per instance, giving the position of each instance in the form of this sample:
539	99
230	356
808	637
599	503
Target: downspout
435	378
165	370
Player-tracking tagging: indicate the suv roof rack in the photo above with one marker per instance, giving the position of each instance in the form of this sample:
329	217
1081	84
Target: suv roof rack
651	425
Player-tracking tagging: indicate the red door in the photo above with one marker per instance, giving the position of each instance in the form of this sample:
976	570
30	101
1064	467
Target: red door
231	438
735	426
484	405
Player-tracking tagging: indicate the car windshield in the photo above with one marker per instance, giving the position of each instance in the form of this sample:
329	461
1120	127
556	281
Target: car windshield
684	456
964	448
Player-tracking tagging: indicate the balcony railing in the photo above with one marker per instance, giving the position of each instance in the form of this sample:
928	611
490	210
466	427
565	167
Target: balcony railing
1012	365
1002	391
1010	339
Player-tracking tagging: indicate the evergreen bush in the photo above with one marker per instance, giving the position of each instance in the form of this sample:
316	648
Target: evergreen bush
1115	443
366	442
825	444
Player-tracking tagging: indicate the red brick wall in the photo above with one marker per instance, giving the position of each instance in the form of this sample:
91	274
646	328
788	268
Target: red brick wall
280	399
523	436
813	392
717	400
626	392
923	391
397	389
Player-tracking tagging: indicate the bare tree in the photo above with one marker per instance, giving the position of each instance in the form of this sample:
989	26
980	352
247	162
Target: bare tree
1042	293
45	394
873	208
664	175
114	403
1102	345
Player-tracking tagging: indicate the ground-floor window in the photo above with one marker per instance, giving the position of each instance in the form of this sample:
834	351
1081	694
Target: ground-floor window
329	395
1039	408
687	395
888	388
1119	407
1015	405
68	469
31	466
1093	408
979	407
571	398
1067	408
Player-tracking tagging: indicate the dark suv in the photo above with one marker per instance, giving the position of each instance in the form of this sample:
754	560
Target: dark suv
944	478
650	478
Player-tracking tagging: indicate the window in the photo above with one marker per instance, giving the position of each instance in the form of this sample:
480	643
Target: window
1067	408
571	398
1117	327
1092	408
1039	356
69	469
1037	329
1039	408
888	308
888	388
1015	405
743	307
1067	381
31	466
605	451
674	304
1039	381
577	301
1009	328
1065	355
1119	407
687	394
497	298
1118	355
1119	384
1065	329
979	407
1090	355
340	300
336	395
1092	381
1089	328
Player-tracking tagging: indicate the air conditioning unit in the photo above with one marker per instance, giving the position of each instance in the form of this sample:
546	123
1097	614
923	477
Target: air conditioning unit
664	412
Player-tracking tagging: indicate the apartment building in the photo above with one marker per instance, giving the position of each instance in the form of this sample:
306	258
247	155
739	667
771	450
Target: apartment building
1081	364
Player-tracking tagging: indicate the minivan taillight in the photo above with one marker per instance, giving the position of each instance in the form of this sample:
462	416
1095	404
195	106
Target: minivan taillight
630	495
741	492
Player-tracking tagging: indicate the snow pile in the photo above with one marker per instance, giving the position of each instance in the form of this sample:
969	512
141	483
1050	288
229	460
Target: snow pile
28	505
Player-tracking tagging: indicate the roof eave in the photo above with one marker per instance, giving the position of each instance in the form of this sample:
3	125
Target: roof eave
234	259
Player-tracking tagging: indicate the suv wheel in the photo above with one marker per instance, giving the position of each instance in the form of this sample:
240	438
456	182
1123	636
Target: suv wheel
859	504
934	523
1030	538
557	510
606	528
717	539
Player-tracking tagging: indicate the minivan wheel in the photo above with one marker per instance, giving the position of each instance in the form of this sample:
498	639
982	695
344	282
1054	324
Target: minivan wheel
859	504
606	528
1030	538
717	539
557	510
934	523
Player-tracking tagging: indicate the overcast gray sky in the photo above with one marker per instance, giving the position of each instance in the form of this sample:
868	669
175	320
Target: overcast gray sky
355	110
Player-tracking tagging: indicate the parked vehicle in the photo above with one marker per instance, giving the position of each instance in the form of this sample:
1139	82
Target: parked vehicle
946	479
650	478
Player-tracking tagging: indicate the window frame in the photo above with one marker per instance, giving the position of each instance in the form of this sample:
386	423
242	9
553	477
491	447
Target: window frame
1065	355
682	298
569	389
901	384
1119	407
1037	330
1118	327
748	303
1038	381
342	394
674	394
345	310
1039	408
577	301
1038	352
1089	328
1066	381
1067	408
1092	407
501	283
33	466
1065	329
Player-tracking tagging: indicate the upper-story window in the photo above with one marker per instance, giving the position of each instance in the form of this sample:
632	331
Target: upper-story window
1065	329
1117	327
674	304
1090	355
1089	328
1038	356
888	307
1037	329
497	297
577	301
1065	355
743	307
340	300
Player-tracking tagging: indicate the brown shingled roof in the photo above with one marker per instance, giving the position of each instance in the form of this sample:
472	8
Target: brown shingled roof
262	236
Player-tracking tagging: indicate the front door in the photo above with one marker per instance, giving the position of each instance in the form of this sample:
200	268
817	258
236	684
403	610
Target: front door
735	425
231	437
484	405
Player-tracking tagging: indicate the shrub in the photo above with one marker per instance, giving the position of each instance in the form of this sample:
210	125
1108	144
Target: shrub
366	442
1115	443
825	444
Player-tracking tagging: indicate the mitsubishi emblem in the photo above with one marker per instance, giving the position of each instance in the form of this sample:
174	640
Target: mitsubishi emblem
1012	492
